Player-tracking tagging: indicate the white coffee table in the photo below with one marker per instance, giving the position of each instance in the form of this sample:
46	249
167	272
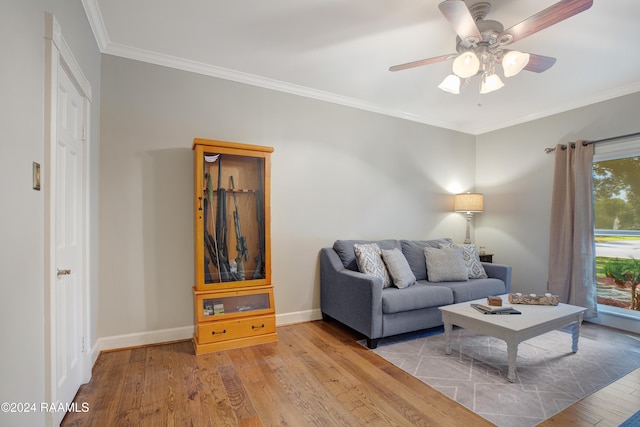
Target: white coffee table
512	328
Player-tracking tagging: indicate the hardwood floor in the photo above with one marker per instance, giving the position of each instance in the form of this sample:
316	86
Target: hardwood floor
608	407
315	375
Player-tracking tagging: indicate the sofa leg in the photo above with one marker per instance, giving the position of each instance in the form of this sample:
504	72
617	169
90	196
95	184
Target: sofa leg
372	343
326	317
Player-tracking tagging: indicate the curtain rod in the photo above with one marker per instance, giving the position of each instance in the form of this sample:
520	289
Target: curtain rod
585	143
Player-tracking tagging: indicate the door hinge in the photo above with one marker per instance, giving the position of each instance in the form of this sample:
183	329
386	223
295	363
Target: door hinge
84	345
84	133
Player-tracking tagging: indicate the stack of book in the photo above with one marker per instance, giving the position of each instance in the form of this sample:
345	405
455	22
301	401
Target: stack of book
491	309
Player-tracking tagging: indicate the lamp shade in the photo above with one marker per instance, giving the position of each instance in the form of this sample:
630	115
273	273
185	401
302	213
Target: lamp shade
468	202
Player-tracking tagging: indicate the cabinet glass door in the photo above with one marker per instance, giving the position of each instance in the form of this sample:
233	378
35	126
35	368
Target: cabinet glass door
217	306
233	304
234	218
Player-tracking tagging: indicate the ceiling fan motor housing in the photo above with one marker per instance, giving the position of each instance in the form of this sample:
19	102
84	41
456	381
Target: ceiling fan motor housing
488	50
480	10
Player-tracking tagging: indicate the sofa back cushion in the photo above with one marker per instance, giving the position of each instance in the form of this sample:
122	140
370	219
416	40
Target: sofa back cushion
413	251
344	249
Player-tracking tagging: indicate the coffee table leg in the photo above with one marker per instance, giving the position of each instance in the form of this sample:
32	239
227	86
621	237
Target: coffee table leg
512	353
575	334
447	337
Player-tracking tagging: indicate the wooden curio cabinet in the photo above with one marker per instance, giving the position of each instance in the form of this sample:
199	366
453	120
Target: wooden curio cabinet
233	293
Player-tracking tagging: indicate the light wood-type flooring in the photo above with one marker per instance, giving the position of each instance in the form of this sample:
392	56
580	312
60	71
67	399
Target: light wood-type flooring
316	375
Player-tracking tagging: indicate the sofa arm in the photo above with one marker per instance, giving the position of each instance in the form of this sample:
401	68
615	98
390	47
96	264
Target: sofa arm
350	297
499	271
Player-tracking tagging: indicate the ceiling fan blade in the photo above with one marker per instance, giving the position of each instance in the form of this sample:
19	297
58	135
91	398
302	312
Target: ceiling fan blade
545	18
460	18
539	63
422	62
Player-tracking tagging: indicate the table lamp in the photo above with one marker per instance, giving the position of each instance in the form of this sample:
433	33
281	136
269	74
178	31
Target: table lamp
469	203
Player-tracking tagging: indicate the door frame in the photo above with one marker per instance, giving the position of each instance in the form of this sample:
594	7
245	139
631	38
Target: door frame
58	53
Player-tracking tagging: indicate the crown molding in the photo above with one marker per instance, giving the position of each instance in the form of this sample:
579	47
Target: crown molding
264	82
561	108
96	23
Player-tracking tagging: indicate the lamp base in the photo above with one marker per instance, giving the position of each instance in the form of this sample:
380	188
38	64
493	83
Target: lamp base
467	237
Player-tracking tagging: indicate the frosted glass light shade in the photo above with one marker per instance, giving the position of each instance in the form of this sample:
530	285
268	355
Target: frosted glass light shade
450	84
468	202
513	62
466	65
491	83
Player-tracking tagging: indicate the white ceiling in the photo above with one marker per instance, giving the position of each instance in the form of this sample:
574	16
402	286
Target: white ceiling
340	51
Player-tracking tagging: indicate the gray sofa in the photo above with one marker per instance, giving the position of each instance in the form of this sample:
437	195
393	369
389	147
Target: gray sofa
360	302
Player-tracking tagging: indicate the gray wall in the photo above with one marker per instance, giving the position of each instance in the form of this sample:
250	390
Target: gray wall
337	172
22	319
516	176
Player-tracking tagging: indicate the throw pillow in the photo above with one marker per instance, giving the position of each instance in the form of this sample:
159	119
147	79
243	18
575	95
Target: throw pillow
369	259
445	265
471	259
398	268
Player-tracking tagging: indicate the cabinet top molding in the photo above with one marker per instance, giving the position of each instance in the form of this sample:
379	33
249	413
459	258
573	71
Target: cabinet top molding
228	144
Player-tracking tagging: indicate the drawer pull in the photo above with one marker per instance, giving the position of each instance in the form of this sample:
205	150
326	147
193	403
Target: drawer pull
224	331
257	327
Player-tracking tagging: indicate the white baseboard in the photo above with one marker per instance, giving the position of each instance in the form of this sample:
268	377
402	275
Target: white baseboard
182	333
298	317
141	338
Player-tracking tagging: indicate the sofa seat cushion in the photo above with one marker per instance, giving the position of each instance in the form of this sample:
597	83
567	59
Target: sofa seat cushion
473	289
420	295
344	249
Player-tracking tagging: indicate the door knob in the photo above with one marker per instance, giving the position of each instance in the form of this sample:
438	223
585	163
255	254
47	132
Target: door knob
63	272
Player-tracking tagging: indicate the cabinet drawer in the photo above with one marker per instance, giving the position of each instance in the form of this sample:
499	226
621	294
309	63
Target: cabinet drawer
233	329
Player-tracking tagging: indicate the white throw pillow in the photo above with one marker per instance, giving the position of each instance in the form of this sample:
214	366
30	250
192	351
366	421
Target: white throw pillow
369	260
445	265
398	268
471	259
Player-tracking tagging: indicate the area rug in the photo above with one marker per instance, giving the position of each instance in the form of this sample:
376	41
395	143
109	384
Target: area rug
549	377
632	421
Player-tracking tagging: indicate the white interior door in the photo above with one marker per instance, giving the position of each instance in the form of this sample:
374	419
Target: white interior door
69	239
67	106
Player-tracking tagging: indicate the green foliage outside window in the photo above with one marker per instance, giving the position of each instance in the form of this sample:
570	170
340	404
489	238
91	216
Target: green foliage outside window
616	191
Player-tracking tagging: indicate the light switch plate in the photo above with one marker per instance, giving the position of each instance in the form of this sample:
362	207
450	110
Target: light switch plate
36	176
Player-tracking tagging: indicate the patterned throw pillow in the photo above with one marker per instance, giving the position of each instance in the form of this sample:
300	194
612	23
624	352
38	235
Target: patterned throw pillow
398	267
445	265
471	259
369	259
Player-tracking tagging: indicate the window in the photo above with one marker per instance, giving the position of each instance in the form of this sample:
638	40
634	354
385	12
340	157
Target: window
616	198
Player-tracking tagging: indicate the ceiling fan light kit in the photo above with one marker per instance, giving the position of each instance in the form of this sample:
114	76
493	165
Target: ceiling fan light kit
451	84
466	65
480	43
513	62
490	83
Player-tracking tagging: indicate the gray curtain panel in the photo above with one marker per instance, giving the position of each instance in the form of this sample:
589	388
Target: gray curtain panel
572	273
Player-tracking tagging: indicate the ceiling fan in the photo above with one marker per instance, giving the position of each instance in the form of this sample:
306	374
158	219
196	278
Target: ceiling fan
481	43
